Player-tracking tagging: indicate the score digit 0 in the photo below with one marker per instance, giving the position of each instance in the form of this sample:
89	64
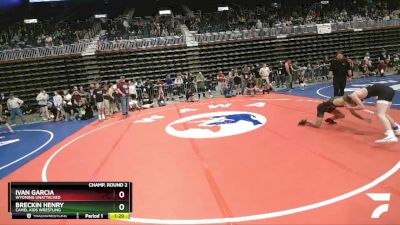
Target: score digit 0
121	194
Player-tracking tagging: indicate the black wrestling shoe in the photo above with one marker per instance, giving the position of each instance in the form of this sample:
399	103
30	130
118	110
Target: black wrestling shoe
330	121
302	122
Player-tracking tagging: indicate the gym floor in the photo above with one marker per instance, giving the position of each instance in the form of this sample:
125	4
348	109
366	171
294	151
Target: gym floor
241	160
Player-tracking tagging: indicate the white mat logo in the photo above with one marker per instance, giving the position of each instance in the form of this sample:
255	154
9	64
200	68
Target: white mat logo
2	143
216	124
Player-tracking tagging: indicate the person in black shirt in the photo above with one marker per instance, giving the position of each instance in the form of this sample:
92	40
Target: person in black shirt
98	96
237	80
289	73
250	88
340	70
258	77
330	106
384	95
91	99
149	86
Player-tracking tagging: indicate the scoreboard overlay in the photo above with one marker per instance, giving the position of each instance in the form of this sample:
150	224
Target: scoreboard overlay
70	200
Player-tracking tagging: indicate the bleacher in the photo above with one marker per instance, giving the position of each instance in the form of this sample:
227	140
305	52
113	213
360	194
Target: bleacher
141	64
26	76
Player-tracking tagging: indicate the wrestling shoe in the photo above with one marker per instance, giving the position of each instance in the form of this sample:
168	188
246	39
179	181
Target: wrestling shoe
330	121
302	122
388	139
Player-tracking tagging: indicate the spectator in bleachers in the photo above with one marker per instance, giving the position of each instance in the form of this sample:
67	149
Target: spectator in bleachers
190	94
84	112
76	98
134	104
132	88
178	83
200	84
281	74
244	79
221	82
371	68
246	70
79	102
265	72
367	58
147	102
98	96
384	56
186	80
232	73
363	67
67	105
46	33
57	103
111	92
169	82
42	98
123	91
139	90
161	96
107	100
259	24
351	64
237	81
149	87
85	95
251	88
49	41
14	107
210	84
257	76
2	99
396	63
140	27
382	68
229	87
90	96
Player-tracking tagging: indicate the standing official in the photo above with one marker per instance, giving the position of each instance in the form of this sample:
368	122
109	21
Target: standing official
289	74
340	70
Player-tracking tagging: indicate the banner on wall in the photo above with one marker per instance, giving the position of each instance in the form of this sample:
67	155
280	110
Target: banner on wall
325	28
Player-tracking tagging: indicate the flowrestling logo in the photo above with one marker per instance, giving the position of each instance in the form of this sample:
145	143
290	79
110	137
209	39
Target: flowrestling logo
216	124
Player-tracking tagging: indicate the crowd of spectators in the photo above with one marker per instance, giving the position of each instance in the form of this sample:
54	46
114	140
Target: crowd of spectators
140	27
45	34
81	102
379	66
240	18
